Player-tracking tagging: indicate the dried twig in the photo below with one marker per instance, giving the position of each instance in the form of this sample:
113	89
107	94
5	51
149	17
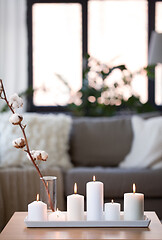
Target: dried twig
4	97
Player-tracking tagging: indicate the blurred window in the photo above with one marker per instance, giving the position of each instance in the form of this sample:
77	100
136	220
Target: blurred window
61	32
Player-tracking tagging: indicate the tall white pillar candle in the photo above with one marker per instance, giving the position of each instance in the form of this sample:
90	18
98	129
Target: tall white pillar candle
37	211
75	206
133	205
112	211
95	196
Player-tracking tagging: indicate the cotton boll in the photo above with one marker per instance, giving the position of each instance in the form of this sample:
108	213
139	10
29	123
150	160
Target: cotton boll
35	154
41	155
44	155
15	101
38	155
32	154
19	143
15	119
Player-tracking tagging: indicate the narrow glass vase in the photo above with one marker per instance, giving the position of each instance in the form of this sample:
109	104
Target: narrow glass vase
51	182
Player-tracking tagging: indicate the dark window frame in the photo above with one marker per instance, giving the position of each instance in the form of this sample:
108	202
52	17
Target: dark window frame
84	3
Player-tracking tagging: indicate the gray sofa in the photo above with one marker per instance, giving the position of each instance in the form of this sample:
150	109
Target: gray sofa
97	146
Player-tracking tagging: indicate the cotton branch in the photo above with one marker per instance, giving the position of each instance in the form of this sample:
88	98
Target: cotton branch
16	119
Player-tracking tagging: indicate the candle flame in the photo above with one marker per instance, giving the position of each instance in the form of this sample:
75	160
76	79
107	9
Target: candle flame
134	187
37	197
75	188
112	201
94	178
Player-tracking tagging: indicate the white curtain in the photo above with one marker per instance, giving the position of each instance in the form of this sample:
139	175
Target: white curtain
13	45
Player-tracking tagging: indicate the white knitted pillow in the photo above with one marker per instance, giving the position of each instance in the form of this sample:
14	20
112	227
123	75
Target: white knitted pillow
146	150
46	132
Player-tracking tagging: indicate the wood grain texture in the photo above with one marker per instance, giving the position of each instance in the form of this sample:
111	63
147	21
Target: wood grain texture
16	230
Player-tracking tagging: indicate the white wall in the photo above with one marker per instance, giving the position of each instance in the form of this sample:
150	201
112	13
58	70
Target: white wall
13	45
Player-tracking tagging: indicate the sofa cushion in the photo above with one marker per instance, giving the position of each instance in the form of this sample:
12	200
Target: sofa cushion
116	181
146	148
100	141
48	132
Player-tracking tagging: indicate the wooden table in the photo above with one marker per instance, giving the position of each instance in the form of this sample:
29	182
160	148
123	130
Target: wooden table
16	229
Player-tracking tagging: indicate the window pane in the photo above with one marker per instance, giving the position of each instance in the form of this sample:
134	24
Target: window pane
118	35
57	52
158	16
158	69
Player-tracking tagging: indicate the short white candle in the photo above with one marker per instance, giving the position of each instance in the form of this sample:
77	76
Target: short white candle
112	211
56	216
75	206
37	211
133	205
95	196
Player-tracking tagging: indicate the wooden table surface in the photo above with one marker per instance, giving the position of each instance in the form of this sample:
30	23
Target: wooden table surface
16	229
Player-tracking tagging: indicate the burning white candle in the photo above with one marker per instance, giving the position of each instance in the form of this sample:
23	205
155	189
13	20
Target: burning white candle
37	211
95	196
56	216
133	205
112	211
75	206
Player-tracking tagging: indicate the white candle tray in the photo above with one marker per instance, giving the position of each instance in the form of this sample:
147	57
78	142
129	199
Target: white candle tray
85	223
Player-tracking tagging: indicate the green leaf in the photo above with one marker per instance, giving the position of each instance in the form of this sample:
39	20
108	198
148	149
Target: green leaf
150	70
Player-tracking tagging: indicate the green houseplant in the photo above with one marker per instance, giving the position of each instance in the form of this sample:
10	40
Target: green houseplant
100	96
